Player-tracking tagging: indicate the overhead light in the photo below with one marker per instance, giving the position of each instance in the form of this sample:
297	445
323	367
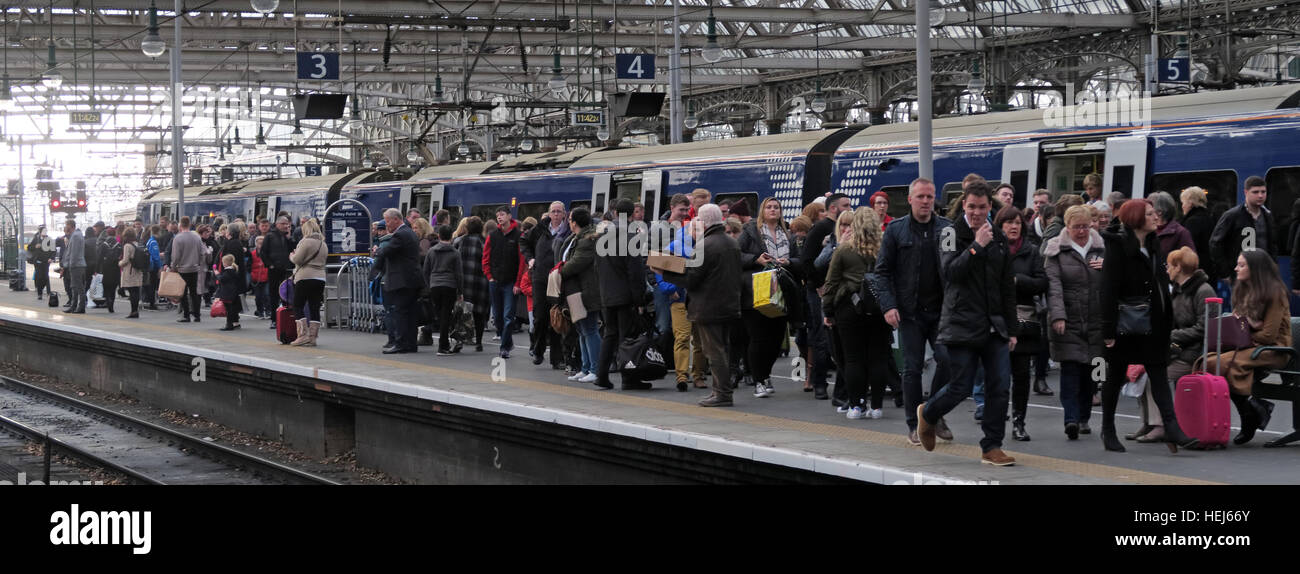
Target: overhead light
463	148
237	142
557	82
976	84
261	139
526	144
413	156
265	6
818	104
52	79
7	102
153	45
937	16
712	51
602	133
691	120
296	136
437	89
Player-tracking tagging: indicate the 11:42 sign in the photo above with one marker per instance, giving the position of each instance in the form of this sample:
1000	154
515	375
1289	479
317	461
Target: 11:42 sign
635	66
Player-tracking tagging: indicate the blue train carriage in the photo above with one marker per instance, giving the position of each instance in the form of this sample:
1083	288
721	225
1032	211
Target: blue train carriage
162	203
306	196
1187	144
423	191
794	168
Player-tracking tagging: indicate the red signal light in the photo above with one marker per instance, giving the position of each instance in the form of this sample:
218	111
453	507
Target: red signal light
81	203
55	204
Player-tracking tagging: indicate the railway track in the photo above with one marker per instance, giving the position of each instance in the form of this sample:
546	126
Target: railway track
138	450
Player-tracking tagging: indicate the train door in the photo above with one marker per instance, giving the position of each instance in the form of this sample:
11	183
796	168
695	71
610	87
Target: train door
600	186
428	199
404	200
259	209
1068	162
652	192
1020	169
1127	161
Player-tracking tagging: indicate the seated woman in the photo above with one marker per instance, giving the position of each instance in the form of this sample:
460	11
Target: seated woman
1260	296
1186	340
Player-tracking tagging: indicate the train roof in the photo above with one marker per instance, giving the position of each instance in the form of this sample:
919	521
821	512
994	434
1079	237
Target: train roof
712	150
453	170
559	159
171	194
305	184
1202	104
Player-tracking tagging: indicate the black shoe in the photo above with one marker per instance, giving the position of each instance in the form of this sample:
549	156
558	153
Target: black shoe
426	338
478	348
398	351
979	413
1084	428
1175	438
635	386
228	328
1264	409
1111	443
133	316
196	318
539	359
183	320
820	394
682	386
898	400
837	402
1247	433
1041	388
603	384
1072	431
1018	430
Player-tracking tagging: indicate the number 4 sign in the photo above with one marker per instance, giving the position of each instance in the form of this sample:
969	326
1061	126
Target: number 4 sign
635	66
318	66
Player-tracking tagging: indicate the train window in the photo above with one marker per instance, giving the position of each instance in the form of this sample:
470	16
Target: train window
1065	173
535	210
485	212
454	219
1220	188
628	189
897	194
750	199
585	204
1283	190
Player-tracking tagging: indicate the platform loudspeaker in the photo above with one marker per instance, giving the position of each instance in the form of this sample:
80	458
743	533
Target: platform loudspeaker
227	174
319	106
637	104
196	176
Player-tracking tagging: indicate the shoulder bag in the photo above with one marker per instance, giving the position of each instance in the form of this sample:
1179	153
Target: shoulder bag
1134	317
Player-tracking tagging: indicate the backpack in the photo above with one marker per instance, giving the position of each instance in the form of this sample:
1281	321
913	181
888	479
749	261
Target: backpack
140	259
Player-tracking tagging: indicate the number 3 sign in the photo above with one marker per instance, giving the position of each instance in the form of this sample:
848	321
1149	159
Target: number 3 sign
318	66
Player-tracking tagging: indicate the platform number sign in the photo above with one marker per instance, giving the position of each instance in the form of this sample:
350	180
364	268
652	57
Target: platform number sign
635	66
1174	70
318	66
312	170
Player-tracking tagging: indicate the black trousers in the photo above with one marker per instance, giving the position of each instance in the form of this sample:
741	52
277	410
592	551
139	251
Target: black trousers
738	349
1157	382
308	293
133	293
765	334
620	323
865	366
444	300
149	291
841	392
403	302
42	276
543	336
190	299
1020	383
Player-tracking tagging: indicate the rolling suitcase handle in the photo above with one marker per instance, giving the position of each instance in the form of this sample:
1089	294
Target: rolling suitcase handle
1218	345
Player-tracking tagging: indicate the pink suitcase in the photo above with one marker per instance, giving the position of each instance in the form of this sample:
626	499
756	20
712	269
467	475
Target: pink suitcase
1201	400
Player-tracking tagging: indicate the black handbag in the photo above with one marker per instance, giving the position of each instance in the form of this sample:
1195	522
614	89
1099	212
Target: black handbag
1134	318
1030	327
866	301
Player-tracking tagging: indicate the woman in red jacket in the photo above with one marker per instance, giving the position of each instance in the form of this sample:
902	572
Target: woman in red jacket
880	203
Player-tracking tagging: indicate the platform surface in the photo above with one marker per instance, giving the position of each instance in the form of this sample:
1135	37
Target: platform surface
789	428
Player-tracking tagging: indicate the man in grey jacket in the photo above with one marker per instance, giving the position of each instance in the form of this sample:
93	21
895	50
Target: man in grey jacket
73	265
187	259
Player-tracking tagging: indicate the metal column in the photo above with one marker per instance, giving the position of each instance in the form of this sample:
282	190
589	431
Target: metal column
924	107
675	74
178	148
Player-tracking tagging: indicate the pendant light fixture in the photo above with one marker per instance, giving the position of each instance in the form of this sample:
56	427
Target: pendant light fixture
266	6
52	79
153	45
712	51
7	102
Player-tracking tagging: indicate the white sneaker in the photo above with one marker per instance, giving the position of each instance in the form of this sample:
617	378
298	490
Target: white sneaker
496	337
576	376
762	391
876	413
842	409
588	378
856	413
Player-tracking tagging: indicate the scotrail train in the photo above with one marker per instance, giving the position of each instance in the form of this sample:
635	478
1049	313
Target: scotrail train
1213	140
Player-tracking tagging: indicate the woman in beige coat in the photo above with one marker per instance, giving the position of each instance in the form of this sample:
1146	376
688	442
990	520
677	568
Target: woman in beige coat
132	278
309	282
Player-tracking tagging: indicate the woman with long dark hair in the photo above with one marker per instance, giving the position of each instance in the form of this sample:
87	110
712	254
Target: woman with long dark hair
1031	282
1260	297
1137	317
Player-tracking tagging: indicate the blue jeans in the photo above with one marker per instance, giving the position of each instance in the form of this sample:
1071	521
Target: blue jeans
1077	388
995	358
915	330
589	340
978	392
503	312
663	313
1224	289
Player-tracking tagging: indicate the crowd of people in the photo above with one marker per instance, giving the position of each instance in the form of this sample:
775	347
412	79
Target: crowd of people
990	295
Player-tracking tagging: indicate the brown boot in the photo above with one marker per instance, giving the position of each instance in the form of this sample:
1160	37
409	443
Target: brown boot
303	336
924	430
996	457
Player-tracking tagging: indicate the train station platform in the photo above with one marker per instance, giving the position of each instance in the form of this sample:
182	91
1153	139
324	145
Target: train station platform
472	418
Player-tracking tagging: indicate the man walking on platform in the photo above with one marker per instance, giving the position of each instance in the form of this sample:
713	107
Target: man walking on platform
978	324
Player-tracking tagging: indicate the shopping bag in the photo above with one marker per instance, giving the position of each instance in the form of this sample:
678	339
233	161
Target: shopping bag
170	285
96	290
553	284
768	299
218	308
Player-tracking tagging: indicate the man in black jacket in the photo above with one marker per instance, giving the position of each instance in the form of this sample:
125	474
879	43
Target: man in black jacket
818	333
1230	236
400	258
539	249
622	291
910	287
501	266
711	278
276	248
40	257
978	325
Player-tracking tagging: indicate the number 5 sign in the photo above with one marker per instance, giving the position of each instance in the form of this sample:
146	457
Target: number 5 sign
318	66
635	66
